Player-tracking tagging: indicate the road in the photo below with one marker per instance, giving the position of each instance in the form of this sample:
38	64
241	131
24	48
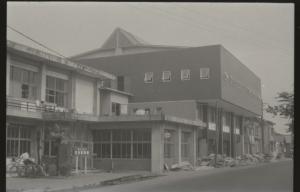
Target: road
277	176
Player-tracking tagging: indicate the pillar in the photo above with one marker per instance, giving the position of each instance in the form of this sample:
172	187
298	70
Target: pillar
193	147
178	145
232	135
243	135
7	73
43	83
157	149
220	119
72	95
96	106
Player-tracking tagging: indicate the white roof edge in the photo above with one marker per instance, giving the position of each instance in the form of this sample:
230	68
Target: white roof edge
78	67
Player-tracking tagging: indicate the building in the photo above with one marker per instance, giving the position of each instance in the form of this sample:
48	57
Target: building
269	142
49	96
206	84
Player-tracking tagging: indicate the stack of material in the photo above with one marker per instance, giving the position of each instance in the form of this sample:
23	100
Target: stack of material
186	166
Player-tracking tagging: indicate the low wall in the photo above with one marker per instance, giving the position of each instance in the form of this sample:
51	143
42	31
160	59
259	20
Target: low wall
123	164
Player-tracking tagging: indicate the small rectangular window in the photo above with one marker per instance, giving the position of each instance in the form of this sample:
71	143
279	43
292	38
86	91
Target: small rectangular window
185	74
204	73
148	77
166	76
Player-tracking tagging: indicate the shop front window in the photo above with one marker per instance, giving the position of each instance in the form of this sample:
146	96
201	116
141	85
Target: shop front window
18	139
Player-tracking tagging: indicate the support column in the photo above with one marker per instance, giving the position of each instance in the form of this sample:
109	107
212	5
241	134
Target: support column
243	135
7	74
220	132
178	145
232	135
96	106
193	147
157	149
72	95
43	83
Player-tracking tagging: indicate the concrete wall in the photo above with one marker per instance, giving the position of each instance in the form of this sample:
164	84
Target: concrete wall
84	94
122	164
187	108
236	79
136	65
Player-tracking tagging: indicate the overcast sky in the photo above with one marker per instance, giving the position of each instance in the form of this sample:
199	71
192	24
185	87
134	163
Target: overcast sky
260	35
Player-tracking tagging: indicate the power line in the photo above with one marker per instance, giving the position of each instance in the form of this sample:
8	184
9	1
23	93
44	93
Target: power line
26	36
183	20
240	27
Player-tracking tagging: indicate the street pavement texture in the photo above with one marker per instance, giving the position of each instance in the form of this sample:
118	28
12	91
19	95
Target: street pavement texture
55	183
277	176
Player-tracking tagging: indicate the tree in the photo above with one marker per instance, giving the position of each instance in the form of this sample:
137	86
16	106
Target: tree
284	109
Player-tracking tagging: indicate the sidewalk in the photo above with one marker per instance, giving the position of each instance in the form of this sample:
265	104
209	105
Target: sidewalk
59	183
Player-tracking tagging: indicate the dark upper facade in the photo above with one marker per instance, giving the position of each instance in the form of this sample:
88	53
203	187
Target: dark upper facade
198	73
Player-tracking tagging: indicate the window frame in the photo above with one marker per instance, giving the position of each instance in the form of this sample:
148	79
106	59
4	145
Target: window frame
202	70
149	79
18	139
163	76
55	92
182	74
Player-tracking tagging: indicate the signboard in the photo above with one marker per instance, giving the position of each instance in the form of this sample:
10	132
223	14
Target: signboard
80	151
167	134
212	126
226	129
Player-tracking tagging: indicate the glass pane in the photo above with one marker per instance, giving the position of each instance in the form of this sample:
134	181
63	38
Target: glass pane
46	148
60	84
50	82
25	75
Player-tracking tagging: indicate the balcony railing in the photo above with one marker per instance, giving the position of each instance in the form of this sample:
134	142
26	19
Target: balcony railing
29	106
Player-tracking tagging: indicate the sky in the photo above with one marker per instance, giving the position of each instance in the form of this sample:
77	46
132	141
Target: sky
260	35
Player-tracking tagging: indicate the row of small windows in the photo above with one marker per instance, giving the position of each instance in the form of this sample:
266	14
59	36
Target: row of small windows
185	75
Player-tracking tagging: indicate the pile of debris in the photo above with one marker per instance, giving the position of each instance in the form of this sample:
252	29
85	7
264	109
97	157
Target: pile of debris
224	161
186	166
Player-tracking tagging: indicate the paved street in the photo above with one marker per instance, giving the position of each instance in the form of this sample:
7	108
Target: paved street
265	177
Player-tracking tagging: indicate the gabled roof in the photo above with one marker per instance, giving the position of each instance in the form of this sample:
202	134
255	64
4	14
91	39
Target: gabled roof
122	38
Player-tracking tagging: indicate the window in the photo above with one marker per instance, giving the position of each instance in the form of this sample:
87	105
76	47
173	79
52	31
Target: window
226	122
211	146
204	73
169	144
24	83
166	76
50	148
148	77
115	108
18	139
147	111
141	144
212	115
185	145
202	112
125	143
56	91
185	74
120	83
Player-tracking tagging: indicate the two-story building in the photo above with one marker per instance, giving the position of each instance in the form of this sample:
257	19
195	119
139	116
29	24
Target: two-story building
48	95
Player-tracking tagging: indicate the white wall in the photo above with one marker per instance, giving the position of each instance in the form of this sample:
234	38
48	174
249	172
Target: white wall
122	99
84	95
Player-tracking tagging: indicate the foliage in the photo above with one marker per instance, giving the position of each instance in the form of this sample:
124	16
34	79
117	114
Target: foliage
285	108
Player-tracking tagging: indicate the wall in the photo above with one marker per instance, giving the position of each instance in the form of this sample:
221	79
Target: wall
237	93
187	108
136	65
84	94
122	99
122	164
